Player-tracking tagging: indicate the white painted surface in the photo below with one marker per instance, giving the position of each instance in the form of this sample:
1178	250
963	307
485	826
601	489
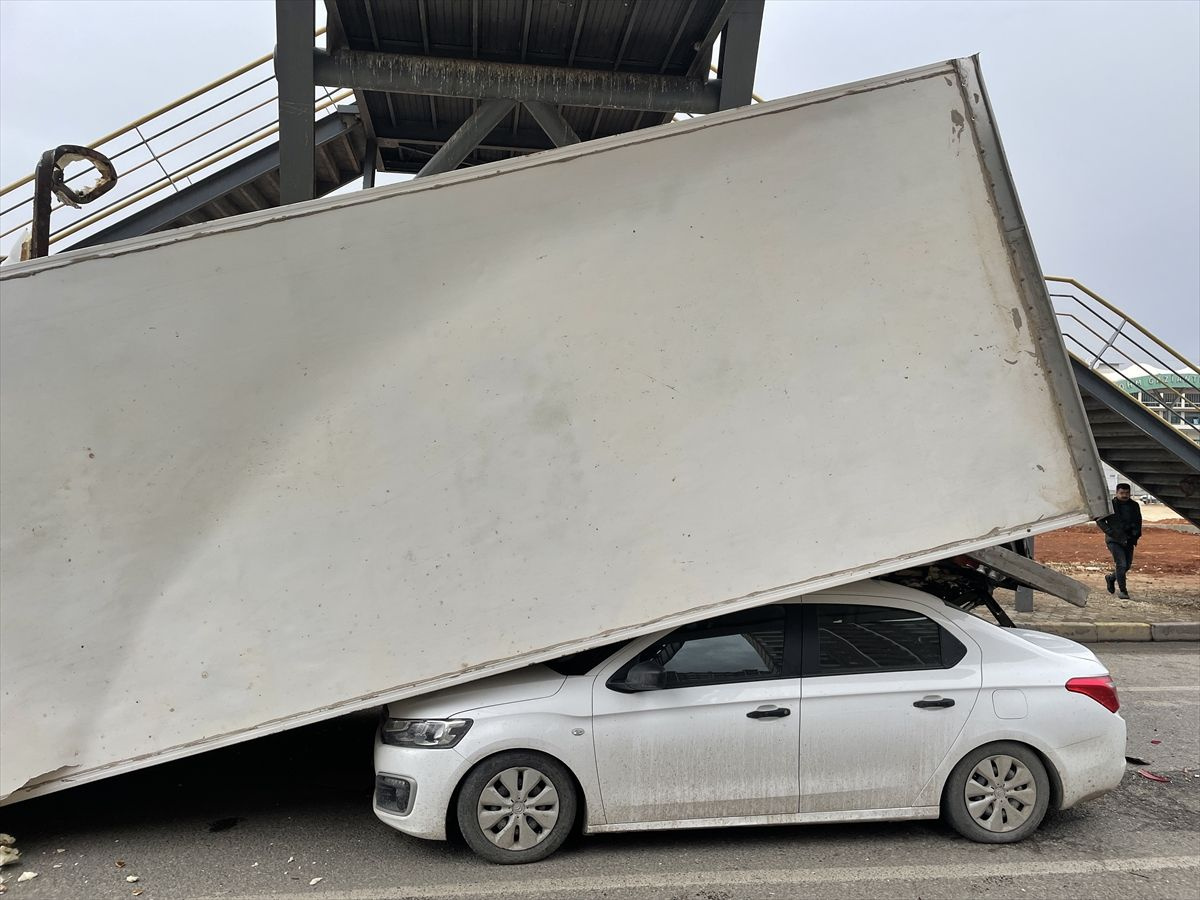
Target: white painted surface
257	473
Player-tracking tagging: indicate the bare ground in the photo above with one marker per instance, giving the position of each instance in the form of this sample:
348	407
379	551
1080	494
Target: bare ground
1164	583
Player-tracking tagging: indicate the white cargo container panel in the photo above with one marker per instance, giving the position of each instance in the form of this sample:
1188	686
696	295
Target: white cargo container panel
262	471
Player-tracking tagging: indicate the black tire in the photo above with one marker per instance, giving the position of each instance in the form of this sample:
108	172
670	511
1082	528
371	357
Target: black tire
1011	816
540	773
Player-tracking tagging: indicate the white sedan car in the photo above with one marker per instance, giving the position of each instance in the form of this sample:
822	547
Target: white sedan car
864	703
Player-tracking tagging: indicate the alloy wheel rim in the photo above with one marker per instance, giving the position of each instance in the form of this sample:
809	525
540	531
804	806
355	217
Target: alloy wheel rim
1000	793
518	808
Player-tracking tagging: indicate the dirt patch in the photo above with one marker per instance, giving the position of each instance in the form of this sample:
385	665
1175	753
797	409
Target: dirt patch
1161	551
1164	582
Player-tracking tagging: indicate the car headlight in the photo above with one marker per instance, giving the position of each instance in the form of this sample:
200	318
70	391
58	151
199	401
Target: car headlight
423	732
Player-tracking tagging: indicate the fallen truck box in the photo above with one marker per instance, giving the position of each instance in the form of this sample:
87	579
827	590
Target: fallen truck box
264	471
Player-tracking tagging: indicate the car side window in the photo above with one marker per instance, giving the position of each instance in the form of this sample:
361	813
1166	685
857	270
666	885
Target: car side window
848	639
745	646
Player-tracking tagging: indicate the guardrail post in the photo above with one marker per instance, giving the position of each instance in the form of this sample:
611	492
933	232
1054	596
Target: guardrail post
295	21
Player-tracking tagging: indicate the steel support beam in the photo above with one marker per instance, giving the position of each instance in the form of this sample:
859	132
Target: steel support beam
409	133
739	53
703	47
481	123
368	167
295	22
335	39
561	86
557	128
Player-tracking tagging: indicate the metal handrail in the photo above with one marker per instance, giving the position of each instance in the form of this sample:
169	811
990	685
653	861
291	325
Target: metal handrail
1128	318
174	104
1172	401
1109	345
154	157
1184	402
201	157
223	153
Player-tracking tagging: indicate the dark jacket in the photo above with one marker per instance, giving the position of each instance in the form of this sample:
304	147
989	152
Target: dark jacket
1125	524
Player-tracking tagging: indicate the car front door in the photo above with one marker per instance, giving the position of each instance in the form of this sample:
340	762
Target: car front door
886	693
719	736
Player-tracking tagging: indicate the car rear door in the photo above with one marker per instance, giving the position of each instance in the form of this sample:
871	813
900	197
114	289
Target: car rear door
885	694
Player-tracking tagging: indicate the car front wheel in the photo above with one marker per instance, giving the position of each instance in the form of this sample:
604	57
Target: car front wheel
516	807
998	794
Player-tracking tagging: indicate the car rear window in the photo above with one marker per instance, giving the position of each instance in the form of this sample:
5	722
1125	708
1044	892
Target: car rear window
851	639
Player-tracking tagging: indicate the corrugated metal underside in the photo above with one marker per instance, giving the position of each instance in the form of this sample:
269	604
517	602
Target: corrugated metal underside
647	36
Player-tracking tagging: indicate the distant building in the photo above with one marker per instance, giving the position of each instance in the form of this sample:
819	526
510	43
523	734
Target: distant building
1172	394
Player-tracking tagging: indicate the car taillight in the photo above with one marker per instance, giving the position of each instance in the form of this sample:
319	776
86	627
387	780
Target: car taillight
1101	689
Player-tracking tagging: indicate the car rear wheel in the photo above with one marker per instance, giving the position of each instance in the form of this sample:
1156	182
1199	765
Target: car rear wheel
516	807
998	794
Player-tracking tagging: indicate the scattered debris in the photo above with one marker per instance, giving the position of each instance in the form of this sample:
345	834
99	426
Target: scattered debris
291	859
253	865
120	863
1154	777
137	892
132	878
27	876
9	853
1155	741
60	850
1137	761
314	881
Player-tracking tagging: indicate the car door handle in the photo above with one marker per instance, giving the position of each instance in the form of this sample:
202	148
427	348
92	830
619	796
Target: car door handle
939	703
774	712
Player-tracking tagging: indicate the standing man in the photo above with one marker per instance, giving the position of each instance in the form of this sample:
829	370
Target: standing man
1121	533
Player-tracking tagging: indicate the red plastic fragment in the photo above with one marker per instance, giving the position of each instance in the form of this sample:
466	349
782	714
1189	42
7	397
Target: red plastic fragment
1155	741
1154	777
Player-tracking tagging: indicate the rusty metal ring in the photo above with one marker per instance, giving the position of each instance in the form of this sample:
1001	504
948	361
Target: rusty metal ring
66	154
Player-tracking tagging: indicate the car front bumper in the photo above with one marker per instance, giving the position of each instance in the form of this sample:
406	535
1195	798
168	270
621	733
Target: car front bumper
433	774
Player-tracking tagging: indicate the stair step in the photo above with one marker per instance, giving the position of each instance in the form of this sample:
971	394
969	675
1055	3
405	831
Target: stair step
1140	455
1117	443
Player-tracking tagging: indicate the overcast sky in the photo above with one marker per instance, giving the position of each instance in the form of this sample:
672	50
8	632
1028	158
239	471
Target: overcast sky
1096	102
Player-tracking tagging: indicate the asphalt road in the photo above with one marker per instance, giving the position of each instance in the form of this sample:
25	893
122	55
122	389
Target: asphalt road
264	819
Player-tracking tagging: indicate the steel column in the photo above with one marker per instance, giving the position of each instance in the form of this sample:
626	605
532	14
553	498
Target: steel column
481	123
295	22
739	53
369	157
1025	594
557	128
447	77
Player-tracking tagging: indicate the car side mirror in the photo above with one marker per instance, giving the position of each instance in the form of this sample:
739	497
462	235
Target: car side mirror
644	676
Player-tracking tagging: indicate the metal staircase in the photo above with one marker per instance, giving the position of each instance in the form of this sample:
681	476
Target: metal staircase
215	152
1142	397
211	153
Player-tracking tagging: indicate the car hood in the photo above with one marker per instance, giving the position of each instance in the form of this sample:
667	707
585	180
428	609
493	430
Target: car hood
529	683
